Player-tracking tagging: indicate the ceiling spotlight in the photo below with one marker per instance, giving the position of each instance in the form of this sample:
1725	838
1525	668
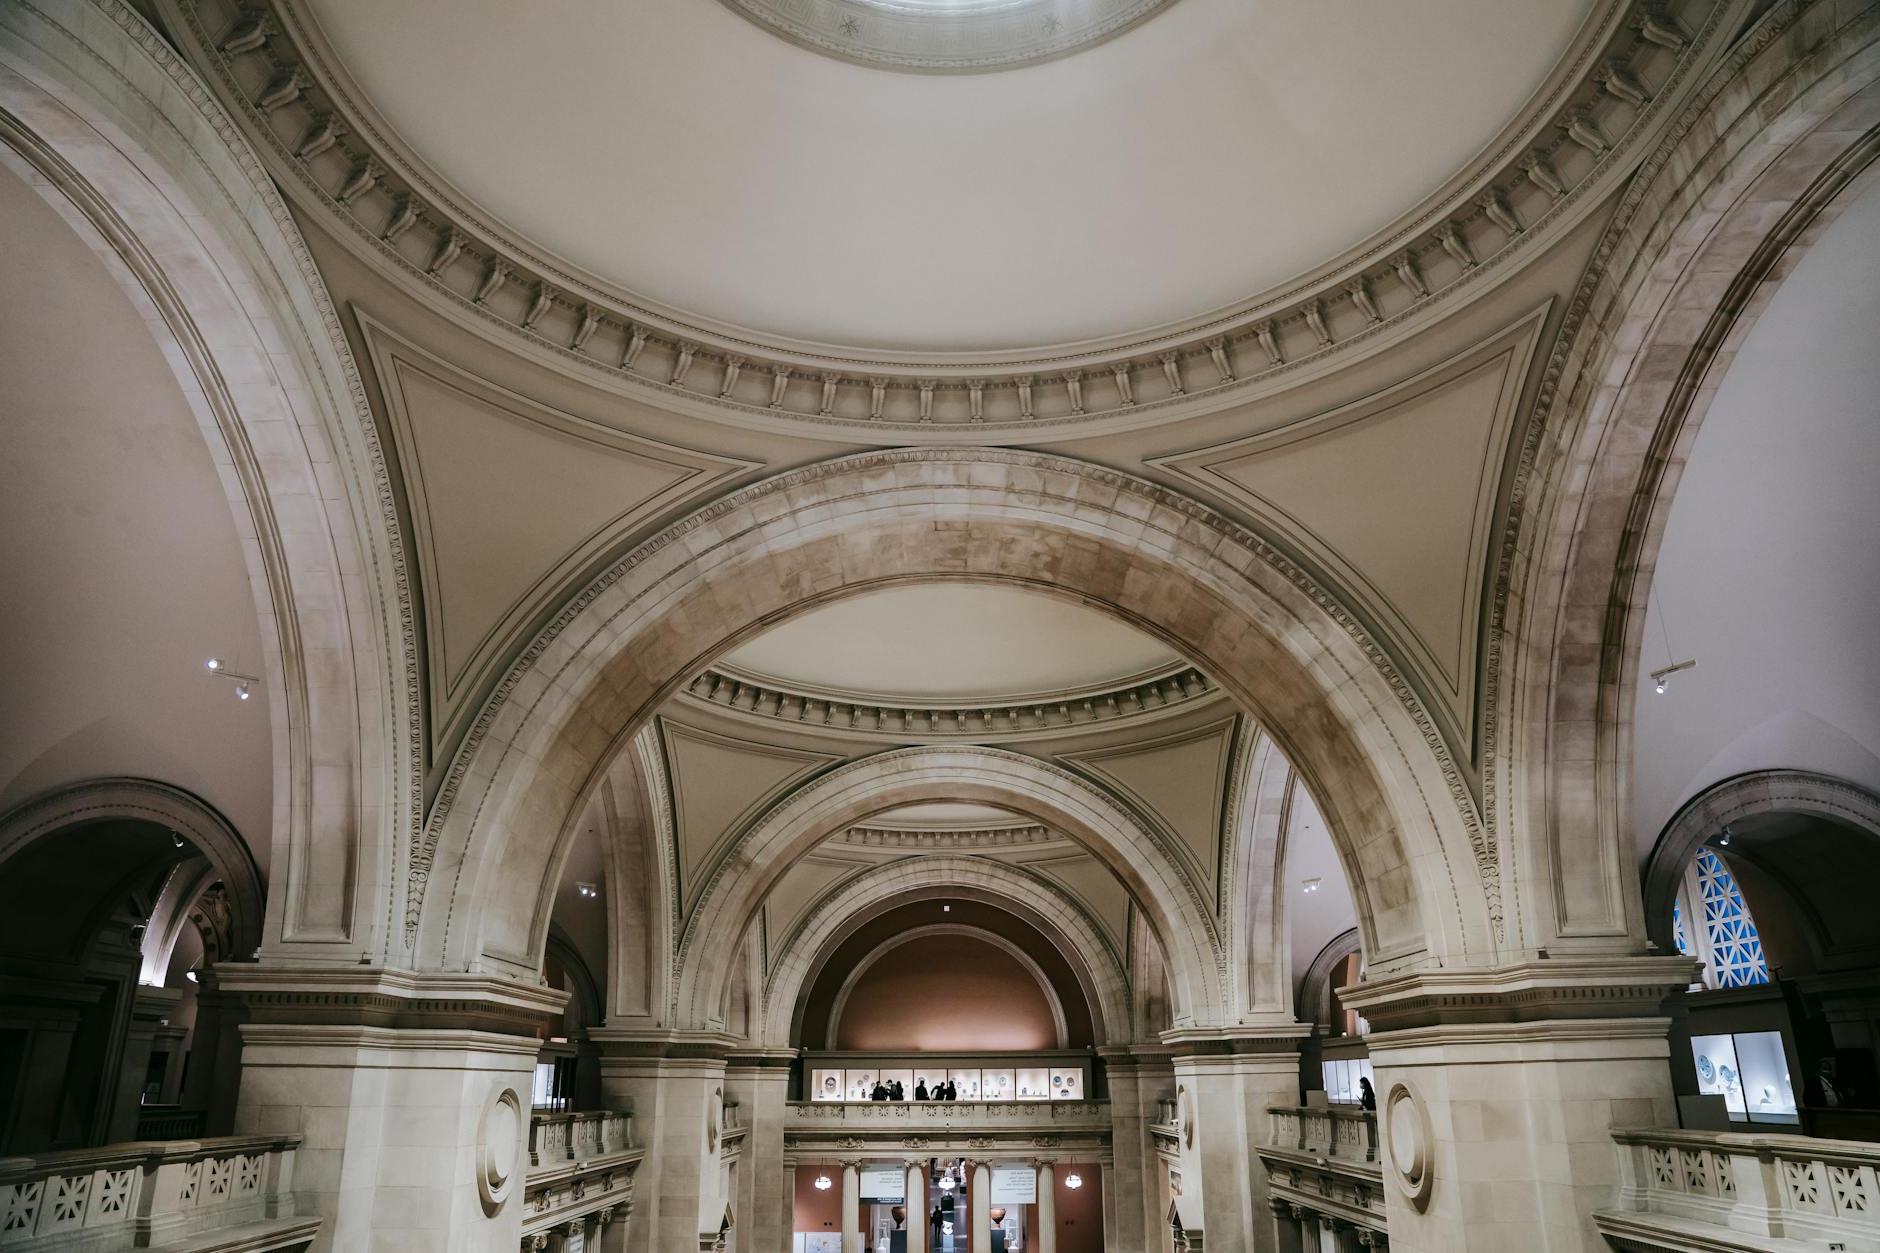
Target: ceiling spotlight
214	663
1073	1181
589	890
1661	679
176	839
946	909
1310	885
241	691
1723	838
192	976
823	1184
242	682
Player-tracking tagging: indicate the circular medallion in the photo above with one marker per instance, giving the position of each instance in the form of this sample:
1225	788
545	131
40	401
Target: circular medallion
947	36
1407	1136
499	1140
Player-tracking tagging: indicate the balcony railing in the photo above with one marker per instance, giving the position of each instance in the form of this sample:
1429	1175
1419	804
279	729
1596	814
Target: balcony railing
145	1193
581	1170
577	1136
1346	1133
1727	1190
948	1115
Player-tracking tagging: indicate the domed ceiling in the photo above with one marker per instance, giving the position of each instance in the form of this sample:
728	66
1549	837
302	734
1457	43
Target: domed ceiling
946	643
687	155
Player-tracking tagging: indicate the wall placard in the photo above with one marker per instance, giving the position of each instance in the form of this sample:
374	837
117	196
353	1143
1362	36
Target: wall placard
1014	1185
884	1183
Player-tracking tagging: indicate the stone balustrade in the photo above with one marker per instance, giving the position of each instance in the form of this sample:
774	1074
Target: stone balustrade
1345	1132
1688	1190
229	1192
577	1135
582	1165
947	1116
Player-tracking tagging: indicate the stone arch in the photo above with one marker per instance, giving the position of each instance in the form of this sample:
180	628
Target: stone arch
1731	800
1315	986
132	150
52	814
1259	938
737	884
1034	899
1706	231
1427	881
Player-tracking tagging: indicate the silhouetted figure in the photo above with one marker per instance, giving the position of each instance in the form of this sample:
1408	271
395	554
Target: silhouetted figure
880	1093
896	1092
920	1090
1367	1099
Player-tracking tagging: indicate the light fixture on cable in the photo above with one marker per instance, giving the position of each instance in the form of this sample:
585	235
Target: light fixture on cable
591	891
823	1184
1661	678
244	683
1073	1181
1310	885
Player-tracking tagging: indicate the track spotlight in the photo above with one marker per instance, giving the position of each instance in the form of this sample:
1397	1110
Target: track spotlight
1310	885
588	890
1723	838
1661	679
176	839
214	663
243	682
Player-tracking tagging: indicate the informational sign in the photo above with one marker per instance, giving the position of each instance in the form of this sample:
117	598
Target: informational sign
884	1183
1014	1185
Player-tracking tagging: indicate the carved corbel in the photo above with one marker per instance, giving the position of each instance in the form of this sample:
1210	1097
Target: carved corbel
448	249
249	32
1217	353
1023	382
1124	387
1269	342
590	322
636	344
1457	246
733	367
1172	371
1584	131
681	365
1540	172
364	177
283	89
1405	266
926	399
779	379
1498	211
1360	292
535	1243
322	134
877	397
1656	25
829	380
493	279
538	308
404	217
976	398
1074	383
1616	78
1315	321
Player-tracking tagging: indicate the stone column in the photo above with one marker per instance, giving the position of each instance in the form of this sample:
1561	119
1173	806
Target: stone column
1286	1238
916	1203
150	1011
980	1241
759	1080
1498	1090
786	1211
1224	1082
1045	1239
1135	1077
851	1207
674	1086
410	1093
1111	1240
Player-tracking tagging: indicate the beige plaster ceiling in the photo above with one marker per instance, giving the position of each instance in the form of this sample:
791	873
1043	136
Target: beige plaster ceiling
681	152
945	815
120	561
949	642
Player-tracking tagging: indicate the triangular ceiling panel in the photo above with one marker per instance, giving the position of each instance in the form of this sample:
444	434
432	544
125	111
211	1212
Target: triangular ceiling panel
512	502
1393	497
719	784
804	884
1093	885
1180	779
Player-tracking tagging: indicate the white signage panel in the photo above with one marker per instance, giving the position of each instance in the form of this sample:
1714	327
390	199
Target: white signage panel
1014	1185
884	1183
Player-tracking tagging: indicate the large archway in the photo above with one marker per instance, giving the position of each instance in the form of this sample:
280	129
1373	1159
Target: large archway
1251	620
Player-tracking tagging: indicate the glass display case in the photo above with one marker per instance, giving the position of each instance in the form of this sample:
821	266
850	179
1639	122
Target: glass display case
1067	1084
903	1077
998	1085
861	1084
929	1076
1750	1071
967	1081
827	1085
1034	1084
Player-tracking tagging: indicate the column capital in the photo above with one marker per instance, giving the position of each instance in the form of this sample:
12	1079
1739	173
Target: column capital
1543	990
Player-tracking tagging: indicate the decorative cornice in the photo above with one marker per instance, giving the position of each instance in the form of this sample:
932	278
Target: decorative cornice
1553	164
297	999
1541	993
934	838
768	699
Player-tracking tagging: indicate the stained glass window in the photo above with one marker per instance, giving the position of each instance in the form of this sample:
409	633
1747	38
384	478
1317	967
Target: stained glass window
1679	932
1735	949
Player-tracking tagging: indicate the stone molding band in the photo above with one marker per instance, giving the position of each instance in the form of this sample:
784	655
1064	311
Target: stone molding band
1574	141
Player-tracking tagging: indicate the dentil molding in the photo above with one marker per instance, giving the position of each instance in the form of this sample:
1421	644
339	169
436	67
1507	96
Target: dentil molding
1579	136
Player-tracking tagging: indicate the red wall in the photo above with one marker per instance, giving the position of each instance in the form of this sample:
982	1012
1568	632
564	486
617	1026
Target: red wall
1080	1210
947	992
818	1211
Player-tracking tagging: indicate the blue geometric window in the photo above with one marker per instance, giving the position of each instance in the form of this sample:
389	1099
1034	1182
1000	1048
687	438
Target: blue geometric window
1679	932
1736	951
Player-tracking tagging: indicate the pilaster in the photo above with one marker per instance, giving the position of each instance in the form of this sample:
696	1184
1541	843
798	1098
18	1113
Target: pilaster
759	1080
1498	1090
